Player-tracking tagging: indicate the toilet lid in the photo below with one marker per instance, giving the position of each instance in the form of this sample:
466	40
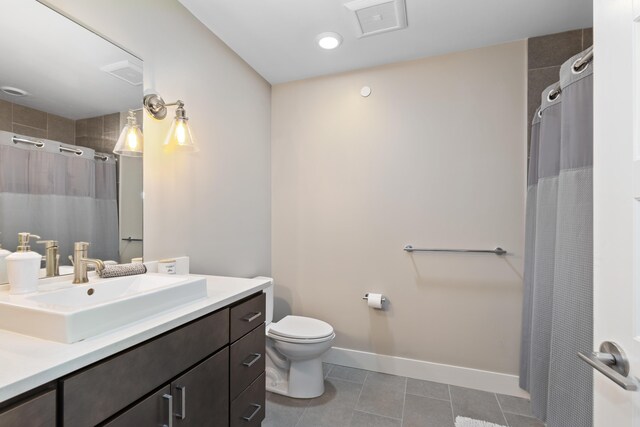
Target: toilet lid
301	328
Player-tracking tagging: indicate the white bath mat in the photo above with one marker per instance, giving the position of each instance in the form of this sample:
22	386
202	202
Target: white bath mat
468	422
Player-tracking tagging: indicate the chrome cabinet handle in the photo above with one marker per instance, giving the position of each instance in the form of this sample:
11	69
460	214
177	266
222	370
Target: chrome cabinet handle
249	318
255	356
612	362
169	399
255	412
183	402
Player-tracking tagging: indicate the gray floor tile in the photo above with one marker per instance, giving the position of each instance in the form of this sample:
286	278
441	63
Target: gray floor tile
334	408
337	392
422	411
476	404
394	381
428	389
326	368
515	405
515	420
348	374
363	419
282	411
383	394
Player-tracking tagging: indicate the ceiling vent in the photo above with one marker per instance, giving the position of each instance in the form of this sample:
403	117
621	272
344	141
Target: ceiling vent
378	16
125	70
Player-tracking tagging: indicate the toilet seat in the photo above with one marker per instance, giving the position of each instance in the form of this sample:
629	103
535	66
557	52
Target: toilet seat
299	329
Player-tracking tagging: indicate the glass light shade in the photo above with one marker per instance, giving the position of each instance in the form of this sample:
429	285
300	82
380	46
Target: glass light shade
131	142
179	137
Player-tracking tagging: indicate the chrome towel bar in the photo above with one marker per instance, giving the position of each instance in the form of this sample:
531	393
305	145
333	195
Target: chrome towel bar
496	251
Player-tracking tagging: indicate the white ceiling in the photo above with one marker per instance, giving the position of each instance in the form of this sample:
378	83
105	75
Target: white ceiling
58	63
277	37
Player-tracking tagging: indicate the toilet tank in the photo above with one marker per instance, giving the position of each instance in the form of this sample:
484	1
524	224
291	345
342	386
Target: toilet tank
269	300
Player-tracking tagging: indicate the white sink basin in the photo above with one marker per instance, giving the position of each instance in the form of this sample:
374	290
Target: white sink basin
71	313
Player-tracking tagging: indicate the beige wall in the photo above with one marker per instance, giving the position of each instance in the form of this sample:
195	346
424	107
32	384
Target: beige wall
434	157
213	206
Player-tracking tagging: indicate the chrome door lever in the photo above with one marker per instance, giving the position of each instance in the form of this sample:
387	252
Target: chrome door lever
612	362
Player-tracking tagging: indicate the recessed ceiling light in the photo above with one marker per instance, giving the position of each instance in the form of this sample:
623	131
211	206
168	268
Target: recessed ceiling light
329	40
13	91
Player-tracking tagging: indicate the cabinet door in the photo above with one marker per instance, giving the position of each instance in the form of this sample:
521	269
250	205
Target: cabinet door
38	411
155	410
201	396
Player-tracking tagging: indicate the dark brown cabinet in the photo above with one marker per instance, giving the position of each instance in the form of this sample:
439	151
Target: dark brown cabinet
38	411
209	372
197	398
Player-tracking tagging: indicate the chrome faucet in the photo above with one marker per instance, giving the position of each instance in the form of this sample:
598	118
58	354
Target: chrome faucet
80	261
51	257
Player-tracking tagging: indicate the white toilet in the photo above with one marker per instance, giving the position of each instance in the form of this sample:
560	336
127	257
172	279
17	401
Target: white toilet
295	346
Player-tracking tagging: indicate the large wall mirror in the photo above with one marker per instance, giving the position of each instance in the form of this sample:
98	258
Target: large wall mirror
65	94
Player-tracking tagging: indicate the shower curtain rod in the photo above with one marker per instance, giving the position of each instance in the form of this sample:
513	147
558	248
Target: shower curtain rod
577	66
40	144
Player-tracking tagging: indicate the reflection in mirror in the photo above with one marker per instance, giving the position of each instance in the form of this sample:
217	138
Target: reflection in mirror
62	108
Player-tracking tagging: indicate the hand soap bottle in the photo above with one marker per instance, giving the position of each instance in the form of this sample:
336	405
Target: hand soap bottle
3	265
23	266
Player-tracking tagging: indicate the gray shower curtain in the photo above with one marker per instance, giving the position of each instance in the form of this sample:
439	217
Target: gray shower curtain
58	196
557	312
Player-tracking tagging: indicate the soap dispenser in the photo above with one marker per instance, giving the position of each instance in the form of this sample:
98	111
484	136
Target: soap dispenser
3	264
23	266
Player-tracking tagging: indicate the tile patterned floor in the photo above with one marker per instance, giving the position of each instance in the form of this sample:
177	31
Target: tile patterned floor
358	398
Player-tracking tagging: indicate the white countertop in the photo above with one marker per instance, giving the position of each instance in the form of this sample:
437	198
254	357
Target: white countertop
27	362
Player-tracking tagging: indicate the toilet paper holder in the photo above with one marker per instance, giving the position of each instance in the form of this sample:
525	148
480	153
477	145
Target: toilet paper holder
366	297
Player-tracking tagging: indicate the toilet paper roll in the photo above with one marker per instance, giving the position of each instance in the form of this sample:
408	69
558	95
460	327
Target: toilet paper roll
374	300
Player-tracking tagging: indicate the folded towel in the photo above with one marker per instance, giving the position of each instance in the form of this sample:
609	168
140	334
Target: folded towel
122	270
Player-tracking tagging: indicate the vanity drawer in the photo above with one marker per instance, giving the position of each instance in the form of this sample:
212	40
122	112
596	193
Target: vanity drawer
247	360
247	315
100	391
38	411
248	409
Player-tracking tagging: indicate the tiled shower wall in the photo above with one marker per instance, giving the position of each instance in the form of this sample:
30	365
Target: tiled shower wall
545	56
99	133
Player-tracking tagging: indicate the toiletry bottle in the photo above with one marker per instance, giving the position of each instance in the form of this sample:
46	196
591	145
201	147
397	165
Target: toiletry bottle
23	266
3	265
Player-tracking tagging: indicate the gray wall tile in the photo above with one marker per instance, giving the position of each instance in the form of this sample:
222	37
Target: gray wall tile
111	123
421	411
95	126
553	49
29	131
476	404
6	122
61	129
587	38
29	117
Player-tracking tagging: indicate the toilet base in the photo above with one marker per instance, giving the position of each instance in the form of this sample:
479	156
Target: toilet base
303	380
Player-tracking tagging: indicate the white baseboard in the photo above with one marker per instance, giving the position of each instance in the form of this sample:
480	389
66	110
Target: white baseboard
494	382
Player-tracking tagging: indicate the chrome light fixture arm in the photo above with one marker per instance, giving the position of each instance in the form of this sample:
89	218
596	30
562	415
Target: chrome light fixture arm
157	107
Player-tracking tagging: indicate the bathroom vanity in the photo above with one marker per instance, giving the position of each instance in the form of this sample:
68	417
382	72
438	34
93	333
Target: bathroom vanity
199	364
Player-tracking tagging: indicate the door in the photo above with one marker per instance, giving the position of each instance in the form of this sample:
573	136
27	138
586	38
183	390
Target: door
617	202
201	396
155	410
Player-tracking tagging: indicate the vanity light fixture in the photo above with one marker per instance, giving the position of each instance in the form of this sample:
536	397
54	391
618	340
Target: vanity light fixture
130	143
179	137
329	40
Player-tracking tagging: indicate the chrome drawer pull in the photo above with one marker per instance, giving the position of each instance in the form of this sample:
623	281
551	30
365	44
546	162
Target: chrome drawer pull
255	412
249	318
256	357
183	402
169	400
